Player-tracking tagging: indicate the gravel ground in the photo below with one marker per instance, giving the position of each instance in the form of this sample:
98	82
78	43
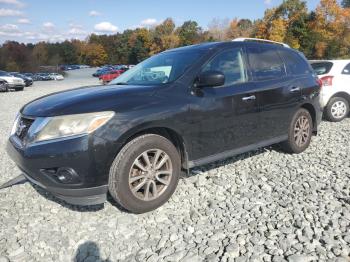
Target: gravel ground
261	206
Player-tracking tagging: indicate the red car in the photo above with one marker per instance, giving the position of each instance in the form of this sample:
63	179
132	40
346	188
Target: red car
106	78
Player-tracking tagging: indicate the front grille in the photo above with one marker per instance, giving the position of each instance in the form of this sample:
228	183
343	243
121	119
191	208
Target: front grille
23	126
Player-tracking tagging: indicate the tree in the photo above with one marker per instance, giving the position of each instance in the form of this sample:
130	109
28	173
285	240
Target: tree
40	53
218	29
164	37
93	54
189	33
345	3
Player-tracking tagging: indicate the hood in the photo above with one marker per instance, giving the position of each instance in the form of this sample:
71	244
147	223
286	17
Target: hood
87	99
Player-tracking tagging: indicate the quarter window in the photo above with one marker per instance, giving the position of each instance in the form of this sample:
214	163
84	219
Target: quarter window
295	63
265	63
231	64
346	70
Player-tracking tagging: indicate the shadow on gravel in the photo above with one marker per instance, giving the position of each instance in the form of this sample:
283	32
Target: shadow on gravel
88	252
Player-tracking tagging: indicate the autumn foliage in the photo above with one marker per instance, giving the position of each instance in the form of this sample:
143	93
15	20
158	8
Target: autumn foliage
322	33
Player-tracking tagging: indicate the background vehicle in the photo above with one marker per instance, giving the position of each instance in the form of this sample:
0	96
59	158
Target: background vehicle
3	86
56	76
335	93
43	77
27	80
108	77
179	109
12	82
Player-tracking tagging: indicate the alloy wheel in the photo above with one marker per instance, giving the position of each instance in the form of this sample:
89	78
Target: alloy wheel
150	174
301	131
338	109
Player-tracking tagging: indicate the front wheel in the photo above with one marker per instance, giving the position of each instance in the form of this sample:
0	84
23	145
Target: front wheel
299	133
145	173
337	109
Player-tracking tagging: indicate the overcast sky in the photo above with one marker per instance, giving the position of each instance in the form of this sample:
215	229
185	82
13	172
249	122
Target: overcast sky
37	20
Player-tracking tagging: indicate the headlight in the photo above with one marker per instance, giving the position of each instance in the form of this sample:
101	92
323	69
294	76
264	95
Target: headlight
14	127
72	125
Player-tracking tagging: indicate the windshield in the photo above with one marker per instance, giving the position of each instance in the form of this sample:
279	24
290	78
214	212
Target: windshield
160	69
322	68
2	73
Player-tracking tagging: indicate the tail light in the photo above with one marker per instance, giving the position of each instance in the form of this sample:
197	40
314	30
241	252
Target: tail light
319	82
327	80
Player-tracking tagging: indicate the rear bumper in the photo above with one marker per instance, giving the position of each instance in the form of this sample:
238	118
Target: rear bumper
41	164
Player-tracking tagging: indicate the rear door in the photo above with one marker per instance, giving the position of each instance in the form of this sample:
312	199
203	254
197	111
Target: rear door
278	92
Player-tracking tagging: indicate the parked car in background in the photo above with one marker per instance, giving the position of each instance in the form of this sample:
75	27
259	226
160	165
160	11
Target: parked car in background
335	92
43	77
108	77
182	108
101	71
12	82
27	80
3	86
56	76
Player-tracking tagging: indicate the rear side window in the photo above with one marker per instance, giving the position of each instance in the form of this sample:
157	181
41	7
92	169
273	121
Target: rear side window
296	64
231	64
265	63
346	70
322	68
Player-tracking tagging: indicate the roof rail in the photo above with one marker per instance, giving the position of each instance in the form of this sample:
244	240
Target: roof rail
244	39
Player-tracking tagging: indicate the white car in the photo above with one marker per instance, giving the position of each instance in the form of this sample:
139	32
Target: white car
335	91
56	76
15	83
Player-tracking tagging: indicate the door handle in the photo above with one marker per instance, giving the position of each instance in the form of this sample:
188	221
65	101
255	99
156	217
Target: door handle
249	98
295	89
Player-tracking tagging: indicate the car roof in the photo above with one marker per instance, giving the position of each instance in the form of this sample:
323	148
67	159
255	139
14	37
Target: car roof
217	45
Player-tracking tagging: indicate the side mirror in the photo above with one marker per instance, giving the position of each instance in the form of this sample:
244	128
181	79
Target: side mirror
211	79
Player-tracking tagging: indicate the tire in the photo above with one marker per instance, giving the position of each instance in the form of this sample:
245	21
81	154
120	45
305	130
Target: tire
298	143
337	109
124	169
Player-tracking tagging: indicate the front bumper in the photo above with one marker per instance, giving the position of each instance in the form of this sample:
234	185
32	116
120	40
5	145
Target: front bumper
15	85
84	155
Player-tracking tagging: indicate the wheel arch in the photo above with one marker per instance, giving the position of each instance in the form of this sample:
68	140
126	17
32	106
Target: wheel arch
344	95
169	133
311	109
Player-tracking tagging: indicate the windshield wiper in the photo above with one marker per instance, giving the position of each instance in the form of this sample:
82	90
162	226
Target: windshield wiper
121	84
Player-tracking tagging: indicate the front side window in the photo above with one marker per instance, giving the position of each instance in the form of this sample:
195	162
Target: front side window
231	64
159	69
265	63
346	70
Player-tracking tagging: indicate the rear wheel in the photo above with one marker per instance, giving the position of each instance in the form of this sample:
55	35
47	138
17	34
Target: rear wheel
145	173
337	109
300	132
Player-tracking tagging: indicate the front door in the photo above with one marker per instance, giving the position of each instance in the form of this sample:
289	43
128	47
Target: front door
224	118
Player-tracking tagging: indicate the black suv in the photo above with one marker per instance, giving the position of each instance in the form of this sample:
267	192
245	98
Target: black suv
179	109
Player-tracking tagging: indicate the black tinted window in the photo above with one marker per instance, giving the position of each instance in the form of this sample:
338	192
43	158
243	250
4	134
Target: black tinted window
265	63
346	70
231	64
295	63
322	68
